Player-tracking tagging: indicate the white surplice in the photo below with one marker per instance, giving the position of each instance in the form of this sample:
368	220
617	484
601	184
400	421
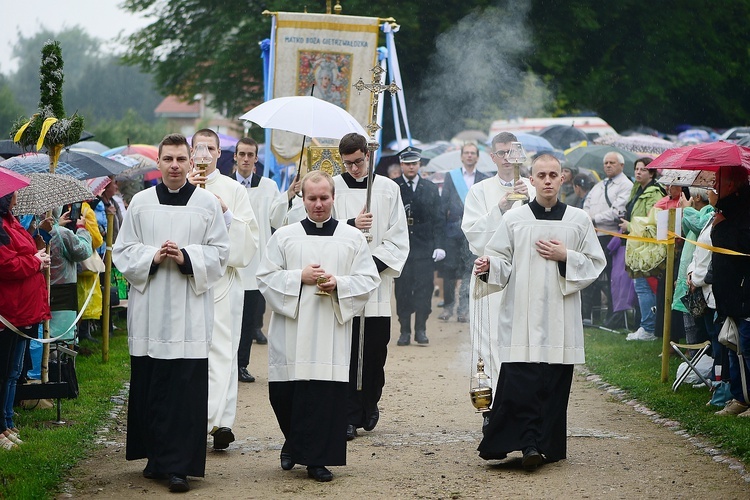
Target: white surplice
309	337
228	300
390	234
481	218
270	208
540	311
170	315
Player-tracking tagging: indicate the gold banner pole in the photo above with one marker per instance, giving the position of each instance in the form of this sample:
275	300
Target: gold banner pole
107	286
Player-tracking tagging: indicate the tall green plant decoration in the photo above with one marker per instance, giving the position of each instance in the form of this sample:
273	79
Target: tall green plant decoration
49	126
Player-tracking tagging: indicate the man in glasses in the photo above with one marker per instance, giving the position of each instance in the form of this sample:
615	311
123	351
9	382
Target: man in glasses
386	222
459	259
486	203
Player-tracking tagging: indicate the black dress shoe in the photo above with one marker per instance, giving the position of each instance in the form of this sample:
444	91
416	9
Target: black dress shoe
372	420
286	461
178	484
260	338
319	473
462	319
222	437
445	316
244	375
531	458
404	338
351	432
149	473
421	337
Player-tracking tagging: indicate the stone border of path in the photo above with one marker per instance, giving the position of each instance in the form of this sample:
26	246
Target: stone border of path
621	395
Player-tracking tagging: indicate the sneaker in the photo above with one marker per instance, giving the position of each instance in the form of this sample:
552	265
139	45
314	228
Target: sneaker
733	407
641	334
7	444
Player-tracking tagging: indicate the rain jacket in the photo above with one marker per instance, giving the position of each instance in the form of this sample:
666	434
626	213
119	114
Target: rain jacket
22	285
693	222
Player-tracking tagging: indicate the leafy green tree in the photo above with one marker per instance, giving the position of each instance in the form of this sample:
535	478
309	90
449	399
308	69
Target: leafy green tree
10	110
131	127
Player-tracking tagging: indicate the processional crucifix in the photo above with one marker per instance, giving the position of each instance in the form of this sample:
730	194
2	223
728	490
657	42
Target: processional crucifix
376	88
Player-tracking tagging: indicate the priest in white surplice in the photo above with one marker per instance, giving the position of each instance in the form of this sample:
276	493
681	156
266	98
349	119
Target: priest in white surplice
270	207
386	222
543	254
484	207
173	247
228	292
309	338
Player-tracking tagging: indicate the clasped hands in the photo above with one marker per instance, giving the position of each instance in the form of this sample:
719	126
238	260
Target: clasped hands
547	249
311	273
44	259
169	250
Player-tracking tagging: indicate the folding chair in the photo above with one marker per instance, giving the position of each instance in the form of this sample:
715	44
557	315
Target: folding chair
692	361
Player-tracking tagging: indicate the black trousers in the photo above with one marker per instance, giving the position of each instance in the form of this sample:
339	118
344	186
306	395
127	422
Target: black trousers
253	309
361	403
8	341
414	293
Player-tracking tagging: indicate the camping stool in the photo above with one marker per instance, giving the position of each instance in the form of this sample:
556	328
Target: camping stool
701	349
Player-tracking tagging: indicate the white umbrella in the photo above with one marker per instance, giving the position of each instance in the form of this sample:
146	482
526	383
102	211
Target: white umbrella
452	159
305	115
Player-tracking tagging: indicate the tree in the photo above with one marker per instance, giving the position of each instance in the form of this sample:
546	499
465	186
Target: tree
10	110
130	128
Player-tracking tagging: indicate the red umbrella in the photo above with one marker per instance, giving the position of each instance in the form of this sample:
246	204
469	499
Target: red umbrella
11	181
708	156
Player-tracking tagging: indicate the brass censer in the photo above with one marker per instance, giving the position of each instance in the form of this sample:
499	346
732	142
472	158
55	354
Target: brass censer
481	389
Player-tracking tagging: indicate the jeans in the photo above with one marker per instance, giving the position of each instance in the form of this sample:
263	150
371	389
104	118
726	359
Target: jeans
735	378
16	365
647	304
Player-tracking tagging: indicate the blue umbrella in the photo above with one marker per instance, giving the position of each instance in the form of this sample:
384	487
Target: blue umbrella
533	142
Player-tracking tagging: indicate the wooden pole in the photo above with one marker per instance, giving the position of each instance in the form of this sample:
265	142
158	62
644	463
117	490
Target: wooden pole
668	292
107	286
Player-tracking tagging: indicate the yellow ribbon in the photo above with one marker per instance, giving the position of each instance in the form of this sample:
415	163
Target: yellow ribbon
45	128
21	130
671	239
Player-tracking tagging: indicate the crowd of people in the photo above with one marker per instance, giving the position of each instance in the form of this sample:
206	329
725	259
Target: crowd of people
327	255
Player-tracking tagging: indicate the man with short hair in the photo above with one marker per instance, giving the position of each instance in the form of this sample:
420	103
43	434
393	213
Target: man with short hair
310	334
173	248
269	206
415	285
457	264
543	254
228	293
386	223
605	204
485	205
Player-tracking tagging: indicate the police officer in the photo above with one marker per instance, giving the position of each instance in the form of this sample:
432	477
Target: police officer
415	285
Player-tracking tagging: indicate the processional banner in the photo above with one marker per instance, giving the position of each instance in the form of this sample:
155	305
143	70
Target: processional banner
328	50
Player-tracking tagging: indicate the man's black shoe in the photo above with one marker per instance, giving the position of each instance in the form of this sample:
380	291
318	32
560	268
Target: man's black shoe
372	420
319	473
222	437
244	375
286	461
351	432
421	337
260	338
178	484
149	473
404	338
531	458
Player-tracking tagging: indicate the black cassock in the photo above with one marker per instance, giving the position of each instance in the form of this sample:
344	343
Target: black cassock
530	403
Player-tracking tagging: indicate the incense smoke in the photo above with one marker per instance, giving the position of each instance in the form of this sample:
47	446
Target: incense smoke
477	75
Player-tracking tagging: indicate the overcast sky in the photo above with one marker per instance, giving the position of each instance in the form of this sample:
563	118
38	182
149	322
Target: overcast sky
102	19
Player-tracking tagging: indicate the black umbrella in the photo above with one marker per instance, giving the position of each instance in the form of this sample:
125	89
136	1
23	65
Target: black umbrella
75	164
563	136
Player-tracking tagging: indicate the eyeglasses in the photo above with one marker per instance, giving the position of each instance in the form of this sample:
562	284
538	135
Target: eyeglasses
713	190
500	153
358	163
